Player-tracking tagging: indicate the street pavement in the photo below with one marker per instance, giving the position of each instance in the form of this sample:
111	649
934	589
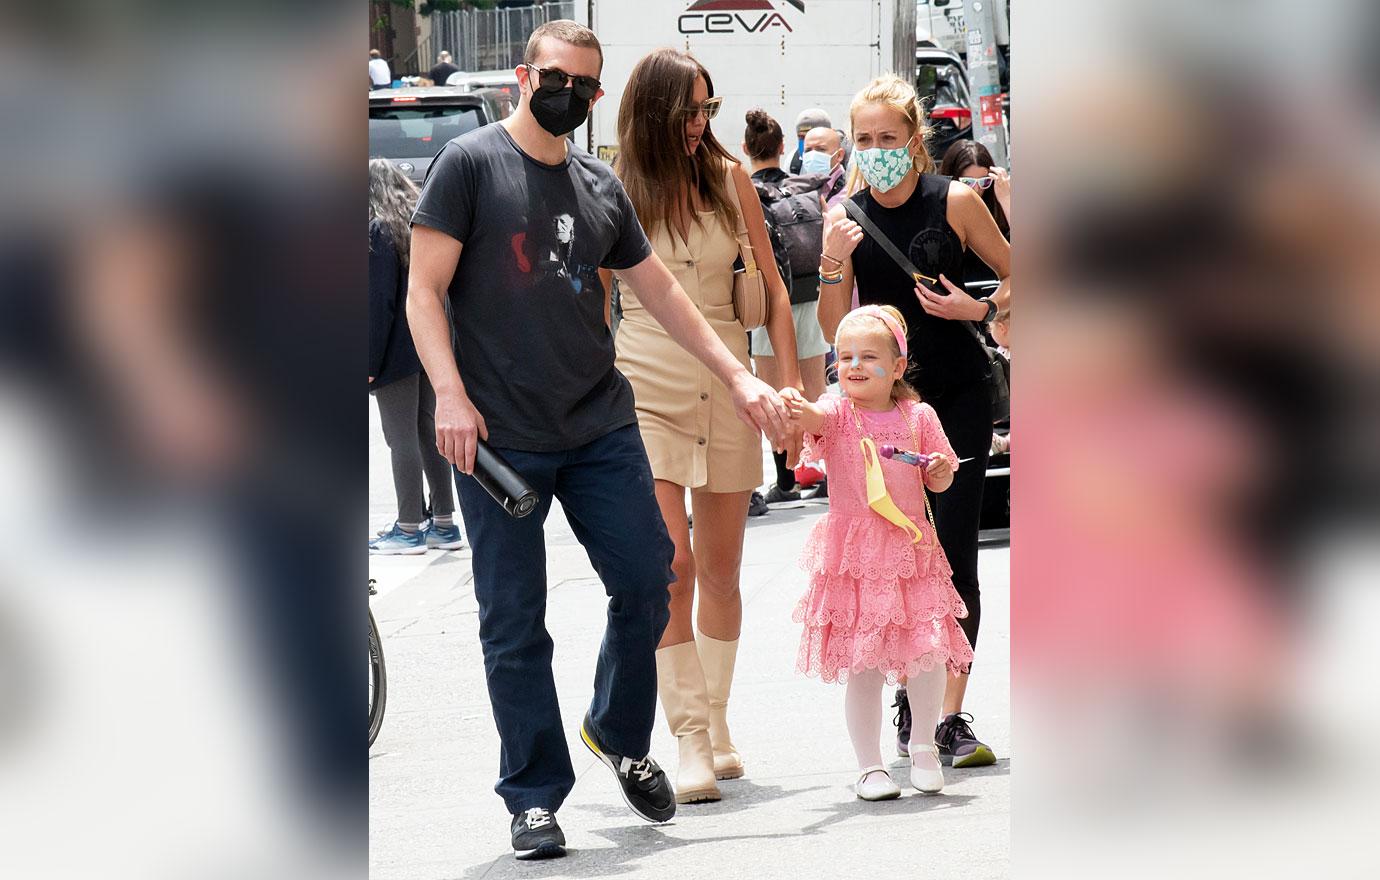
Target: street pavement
433	812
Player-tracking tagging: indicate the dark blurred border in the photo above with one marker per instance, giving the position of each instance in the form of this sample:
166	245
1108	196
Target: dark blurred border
1195	506
182	313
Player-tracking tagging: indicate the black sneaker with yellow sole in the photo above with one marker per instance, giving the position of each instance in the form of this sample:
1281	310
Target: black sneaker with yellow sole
642	782
958	746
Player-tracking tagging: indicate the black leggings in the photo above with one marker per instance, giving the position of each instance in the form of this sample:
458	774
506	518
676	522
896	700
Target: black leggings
407	408
965	412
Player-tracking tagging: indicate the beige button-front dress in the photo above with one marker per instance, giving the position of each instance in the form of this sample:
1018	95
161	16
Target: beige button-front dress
686	416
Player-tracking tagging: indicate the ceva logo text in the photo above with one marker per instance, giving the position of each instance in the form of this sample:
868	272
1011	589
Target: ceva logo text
733	16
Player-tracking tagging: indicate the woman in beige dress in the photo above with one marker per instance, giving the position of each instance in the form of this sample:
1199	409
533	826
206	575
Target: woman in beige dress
688	192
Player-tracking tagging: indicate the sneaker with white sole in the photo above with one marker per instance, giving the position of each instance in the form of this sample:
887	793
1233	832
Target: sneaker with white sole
536	835
642	782
396	542
444	537
875	784
928	775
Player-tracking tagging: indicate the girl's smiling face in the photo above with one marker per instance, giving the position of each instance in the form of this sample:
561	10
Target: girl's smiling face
868	363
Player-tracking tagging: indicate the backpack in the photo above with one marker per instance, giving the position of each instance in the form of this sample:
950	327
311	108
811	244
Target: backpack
795	225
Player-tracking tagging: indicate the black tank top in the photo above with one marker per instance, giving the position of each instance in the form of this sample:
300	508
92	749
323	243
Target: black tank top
943	353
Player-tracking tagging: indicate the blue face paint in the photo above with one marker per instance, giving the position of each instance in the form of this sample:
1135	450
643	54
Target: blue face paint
881	373
855	362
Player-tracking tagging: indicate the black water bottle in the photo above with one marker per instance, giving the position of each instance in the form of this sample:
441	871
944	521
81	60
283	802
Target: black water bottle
506	485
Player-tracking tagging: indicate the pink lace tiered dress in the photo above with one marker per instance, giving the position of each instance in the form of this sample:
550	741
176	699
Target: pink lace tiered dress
877	601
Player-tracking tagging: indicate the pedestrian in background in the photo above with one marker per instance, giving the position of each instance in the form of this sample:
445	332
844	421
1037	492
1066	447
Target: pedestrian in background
824	154
764	144
691	196
931	220
380	76
881	604
443	69
970	163
808	119
406	402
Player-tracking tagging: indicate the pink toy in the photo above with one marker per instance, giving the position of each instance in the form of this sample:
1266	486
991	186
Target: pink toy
902	455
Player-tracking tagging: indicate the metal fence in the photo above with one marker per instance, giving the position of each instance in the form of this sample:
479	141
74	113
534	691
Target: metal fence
488	39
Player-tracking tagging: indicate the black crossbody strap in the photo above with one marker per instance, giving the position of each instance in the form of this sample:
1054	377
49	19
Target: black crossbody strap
860	217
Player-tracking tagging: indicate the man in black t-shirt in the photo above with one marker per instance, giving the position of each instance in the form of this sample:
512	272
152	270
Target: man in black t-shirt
513	225
443	69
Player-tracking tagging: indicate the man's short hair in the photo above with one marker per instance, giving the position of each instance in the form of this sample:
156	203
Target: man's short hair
566	31
374	53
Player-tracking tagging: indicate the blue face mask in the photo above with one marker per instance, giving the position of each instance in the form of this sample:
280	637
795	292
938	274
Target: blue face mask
815	162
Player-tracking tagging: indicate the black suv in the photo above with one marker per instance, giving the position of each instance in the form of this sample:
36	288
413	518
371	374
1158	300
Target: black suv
410	126
942	84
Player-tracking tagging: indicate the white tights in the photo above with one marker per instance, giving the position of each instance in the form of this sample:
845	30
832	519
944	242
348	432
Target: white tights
862	711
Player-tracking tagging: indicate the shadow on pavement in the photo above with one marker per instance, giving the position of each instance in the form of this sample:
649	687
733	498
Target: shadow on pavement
739	795
899	768
910	802
633	842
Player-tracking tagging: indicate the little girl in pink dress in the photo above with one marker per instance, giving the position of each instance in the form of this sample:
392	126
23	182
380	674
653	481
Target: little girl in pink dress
881	605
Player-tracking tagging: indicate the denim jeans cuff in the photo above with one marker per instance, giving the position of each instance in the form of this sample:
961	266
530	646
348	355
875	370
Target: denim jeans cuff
527	802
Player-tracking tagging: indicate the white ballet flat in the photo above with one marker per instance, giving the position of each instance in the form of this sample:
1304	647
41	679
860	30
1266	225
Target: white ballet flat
926	780
876	788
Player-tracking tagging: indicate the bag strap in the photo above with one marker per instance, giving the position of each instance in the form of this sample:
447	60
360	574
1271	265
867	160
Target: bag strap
860	217
744	244
915	439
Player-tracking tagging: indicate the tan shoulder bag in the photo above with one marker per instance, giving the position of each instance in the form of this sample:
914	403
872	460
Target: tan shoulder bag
749	284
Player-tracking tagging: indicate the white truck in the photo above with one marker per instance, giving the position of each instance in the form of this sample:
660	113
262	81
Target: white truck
941	22
784	56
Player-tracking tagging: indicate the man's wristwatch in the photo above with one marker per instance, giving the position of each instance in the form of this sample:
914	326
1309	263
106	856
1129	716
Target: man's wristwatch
991	309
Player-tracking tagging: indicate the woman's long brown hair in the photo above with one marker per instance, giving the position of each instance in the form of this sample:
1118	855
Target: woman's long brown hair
652	162
960	155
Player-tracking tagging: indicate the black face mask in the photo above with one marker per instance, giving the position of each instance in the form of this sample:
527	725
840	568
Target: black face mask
558	110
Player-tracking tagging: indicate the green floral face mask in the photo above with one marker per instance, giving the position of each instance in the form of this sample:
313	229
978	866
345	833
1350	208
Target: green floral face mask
883	169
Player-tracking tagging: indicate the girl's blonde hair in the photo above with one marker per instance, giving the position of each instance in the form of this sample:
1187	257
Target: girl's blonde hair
900	388
894	92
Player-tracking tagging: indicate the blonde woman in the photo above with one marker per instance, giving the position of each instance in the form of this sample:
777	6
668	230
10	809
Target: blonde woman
688	192
931	219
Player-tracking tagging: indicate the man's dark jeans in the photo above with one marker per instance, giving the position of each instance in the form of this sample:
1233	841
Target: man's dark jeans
605	488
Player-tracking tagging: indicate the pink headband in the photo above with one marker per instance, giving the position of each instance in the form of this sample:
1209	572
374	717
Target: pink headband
891	323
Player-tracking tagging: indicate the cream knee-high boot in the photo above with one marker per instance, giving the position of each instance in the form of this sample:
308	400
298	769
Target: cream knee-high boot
717	658
680	682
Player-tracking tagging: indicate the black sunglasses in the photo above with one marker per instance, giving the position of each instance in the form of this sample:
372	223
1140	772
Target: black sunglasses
586	87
